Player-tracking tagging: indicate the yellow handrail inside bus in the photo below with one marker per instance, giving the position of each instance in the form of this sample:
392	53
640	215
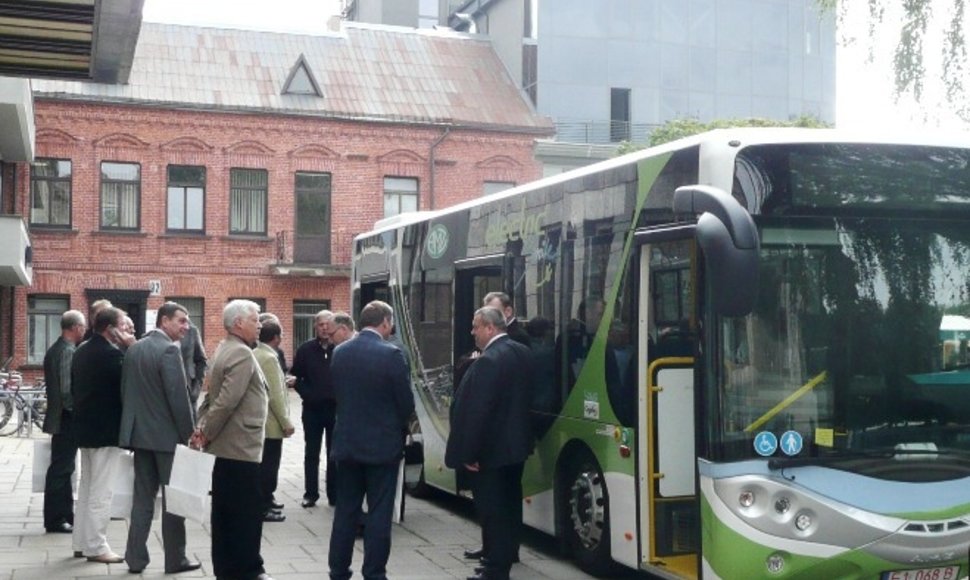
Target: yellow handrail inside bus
788	401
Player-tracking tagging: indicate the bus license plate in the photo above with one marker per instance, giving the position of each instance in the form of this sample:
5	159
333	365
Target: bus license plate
944	573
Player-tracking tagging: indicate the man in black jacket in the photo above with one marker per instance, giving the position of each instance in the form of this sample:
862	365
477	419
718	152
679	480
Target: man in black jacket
374	404
59	422
96	389
311	367
491	436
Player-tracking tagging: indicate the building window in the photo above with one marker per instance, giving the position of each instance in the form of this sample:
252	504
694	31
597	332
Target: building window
120	195
247	201
186	198
43	324
619	115
304	317
427	13
490	187
50	192
400	195
195	306
312	243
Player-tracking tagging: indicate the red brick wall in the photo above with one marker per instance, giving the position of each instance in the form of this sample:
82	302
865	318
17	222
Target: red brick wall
216	266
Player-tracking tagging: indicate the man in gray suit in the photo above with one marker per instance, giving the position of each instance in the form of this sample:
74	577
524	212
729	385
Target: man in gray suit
193	357
156	416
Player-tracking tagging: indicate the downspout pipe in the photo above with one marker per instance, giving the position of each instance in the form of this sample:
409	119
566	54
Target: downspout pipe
431	199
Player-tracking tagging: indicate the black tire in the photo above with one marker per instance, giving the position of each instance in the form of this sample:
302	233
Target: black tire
8	421
420	489
39	413
586	515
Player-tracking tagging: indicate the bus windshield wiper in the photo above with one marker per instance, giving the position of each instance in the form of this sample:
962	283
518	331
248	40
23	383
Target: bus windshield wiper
878	453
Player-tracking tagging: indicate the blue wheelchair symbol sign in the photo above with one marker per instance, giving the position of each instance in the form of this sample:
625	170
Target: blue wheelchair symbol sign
765	443
791	443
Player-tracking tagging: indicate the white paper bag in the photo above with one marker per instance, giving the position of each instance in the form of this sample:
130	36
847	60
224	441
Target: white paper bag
123	486
42	460
187	493
399	496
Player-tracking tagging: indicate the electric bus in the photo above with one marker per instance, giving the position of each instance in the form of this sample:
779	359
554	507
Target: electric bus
751	350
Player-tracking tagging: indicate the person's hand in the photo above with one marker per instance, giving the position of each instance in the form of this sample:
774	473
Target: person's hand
290	381
126	338
198	440
473	467
289	431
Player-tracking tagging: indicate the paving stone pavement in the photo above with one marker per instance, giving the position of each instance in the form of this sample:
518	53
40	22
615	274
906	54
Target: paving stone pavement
428	545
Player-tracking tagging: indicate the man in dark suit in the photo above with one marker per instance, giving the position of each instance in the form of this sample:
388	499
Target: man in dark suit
157	415
516	332
311	367
491	436
193	357
58	498
513	328
96	390
374	404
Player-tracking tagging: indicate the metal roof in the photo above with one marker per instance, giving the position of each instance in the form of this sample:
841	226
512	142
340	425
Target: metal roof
369	72
76	39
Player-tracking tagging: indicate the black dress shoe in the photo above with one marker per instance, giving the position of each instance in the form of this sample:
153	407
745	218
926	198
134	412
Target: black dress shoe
61	528
186	566
474	554
273	516
275	505
263	576
308	503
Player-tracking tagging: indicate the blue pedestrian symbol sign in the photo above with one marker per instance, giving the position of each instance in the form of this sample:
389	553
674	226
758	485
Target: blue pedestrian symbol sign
765	443
791	443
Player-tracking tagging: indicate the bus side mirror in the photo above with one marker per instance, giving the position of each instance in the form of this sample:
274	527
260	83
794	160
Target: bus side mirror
727	235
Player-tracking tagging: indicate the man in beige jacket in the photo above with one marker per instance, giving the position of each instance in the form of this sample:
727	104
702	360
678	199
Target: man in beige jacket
278	424
232	427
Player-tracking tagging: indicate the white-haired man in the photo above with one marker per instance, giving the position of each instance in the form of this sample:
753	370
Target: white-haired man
231	426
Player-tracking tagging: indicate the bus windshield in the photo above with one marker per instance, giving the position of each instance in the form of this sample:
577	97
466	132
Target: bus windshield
859	343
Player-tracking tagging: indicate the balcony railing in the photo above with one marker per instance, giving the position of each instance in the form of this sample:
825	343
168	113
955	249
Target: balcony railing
602	132
327	255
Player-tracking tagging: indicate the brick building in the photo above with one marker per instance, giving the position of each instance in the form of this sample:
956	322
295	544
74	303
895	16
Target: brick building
240	164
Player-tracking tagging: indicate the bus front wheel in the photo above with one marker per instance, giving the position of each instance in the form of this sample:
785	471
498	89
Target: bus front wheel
587	522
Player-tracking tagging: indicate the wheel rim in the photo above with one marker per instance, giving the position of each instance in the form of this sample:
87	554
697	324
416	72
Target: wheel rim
6	412
587	507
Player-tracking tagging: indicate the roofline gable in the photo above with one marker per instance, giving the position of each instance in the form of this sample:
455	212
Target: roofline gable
301	65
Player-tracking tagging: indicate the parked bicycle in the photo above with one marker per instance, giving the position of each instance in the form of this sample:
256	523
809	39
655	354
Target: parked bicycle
29	402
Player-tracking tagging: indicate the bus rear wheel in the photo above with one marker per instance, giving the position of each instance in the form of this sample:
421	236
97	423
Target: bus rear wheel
587	522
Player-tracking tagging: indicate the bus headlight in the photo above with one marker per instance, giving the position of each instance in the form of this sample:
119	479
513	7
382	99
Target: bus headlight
803	521
782	505
746	499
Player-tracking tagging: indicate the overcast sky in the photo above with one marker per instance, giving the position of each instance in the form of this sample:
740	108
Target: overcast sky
864	89
306	16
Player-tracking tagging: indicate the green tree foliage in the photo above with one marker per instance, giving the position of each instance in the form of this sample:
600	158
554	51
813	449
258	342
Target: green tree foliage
912	17
680	128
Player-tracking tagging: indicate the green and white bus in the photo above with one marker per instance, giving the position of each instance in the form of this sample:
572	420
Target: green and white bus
752	350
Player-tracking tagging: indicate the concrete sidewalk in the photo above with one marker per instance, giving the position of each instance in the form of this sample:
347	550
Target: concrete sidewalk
427	546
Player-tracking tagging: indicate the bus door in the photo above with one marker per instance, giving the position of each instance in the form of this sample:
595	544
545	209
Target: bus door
373	289
669	518
474	278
